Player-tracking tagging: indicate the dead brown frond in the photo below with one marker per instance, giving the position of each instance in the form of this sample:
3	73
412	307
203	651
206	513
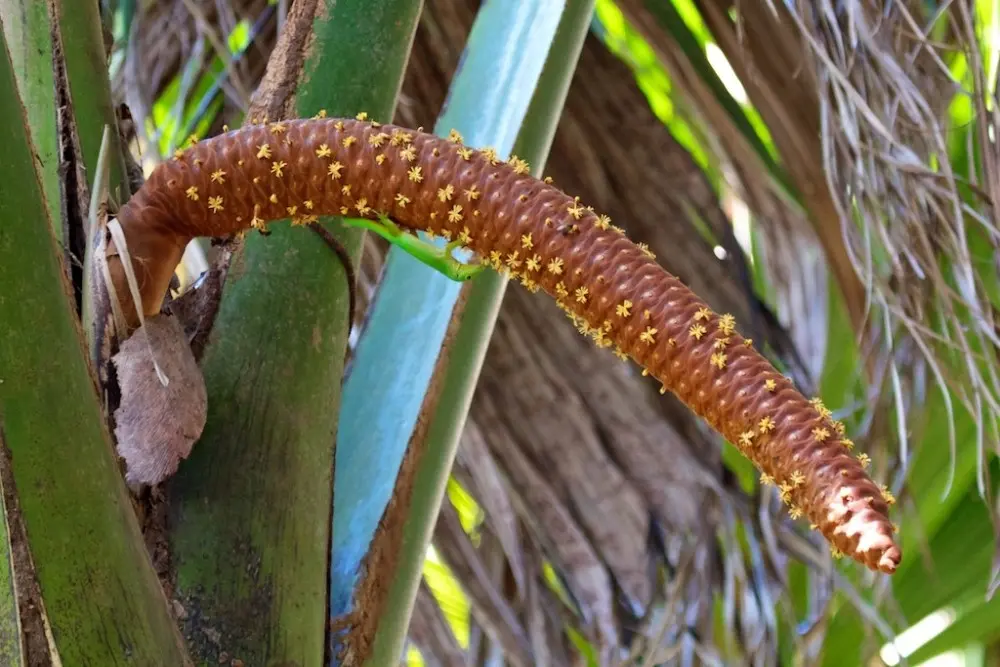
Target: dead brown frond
175	43
910	222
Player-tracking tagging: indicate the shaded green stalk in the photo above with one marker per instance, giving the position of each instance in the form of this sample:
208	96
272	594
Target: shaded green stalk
250	525
471	342
90	90
101	596
28	29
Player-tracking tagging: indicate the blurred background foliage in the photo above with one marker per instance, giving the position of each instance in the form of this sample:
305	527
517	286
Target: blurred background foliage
822	169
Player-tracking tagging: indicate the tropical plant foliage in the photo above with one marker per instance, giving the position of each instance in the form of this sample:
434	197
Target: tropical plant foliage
823	170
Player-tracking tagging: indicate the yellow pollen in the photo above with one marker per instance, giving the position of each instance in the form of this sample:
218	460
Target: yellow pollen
215	203
219	176
402	200
324	151
263	151
334	170
555	266
455	214
415	174
770	385
520	166
702	314
581	294
465	237
534	263
400	138
273	198
697	331
490	154
603	222
623	308
820	434
766	425
648	336
409	153
455	137
526	241
192	193
464	152
363	115
719	360
276	168
348	140
864	459
445	193
472	193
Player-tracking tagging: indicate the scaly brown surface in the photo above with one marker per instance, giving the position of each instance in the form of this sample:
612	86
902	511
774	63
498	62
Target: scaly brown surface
612	287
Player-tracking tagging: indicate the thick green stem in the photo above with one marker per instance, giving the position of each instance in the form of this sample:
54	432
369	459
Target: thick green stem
28	29
86	66
251	507
101	596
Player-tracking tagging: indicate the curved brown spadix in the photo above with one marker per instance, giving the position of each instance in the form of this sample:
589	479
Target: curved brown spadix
611	287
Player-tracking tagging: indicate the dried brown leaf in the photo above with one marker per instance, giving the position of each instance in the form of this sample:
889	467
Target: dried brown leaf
156	425
430	631
491	493
556	529
489	606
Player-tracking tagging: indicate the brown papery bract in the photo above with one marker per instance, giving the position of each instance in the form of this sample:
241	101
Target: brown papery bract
612	288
